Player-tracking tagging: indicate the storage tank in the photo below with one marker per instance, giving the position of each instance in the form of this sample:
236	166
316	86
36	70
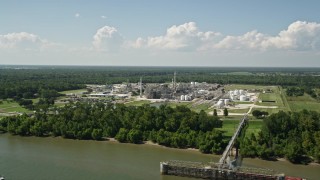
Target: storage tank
226	101
182	97
186	98
236	92
243	98
241	92
220	103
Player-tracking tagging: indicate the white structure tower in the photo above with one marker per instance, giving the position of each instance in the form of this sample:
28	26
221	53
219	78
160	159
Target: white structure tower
140	87
174	81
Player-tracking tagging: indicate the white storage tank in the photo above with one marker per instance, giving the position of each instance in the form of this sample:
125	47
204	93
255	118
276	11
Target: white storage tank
234	97
236	92
182	97
226	101
186	98
241	92
243	98
220	103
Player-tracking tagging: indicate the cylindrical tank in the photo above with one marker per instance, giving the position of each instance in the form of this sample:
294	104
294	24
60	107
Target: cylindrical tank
243	98
220	103
241	92
226	101
236	92
182	97
186	98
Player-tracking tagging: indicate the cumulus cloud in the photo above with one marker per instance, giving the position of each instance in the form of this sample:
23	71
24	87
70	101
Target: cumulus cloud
182	37
77	15
107	39
250	40
300	36
25	41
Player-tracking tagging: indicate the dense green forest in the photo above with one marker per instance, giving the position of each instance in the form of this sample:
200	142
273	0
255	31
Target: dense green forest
175	127
28	82
293	135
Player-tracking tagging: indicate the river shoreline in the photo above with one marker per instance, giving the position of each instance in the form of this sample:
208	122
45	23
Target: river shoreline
150	143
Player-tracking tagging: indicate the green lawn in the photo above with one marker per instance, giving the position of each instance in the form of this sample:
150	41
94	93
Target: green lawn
247	86
238	110
203	106
278	96
7	107
254	127
137	103
303	102
35	100
230	126
175	104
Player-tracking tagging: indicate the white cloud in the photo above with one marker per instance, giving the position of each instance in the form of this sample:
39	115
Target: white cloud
24	41
300	36
250	40
104	17
107	39
182	37
77	15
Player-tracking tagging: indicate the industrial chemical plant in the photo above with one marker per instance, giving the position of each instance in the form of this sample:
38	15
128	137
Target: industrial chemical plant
194	93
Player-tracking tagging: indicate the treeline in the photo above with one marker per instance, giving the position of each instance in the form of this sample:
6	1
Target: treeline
174	127
299	91
33	83
295	91
27	83
293	135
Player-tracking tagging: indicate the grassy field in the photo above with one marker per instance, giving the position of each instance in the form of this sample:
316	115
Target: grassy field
8	107
203	106
238	110
247	86
137	103
230	126
303	102
276	95
174	104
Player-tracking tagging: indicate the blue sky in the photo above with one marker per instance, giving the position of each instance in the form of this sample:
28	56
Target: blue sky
165	33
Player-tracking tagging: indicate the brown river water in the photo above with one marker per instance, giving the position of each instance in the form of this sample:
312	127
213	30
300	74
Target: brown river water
33	158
